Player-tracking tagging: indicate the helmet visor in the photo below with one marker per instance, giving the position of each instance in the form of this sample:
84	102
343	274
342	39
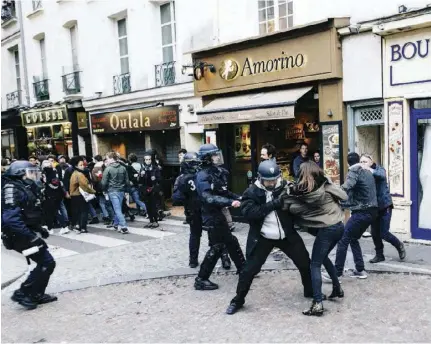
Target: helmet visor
217	158
33	173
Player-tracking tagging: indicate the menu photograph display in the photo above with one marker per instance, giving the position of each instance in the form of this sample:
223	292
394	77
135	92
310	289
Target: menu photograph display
331	151
242	142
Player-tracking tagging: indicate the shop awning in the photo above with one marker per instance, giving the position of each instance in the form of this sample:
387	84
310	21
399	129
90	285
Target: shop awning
252	107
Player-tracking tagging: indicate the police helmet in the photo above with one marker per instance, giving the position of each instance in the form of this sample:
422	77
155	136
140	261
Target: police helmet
269	170
209	154
191	163
190	156
20	168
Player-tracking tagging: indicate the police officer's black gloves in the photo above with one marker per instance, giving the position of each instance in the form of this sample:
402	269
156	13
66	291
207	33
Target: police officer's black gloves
277	203
44	232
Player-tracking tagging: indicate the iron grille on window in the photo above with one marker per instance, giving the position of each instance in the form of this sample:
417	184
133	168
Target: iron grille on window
122	83
165	74
41	91
37	4
13	99
71	83
370	116
8	10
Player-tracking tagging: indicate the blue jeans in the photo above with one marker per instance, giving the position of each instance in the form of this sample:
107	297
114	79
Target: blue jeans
62	216
116	198
326	239
92	210
355	227
134	192
380	231
106	207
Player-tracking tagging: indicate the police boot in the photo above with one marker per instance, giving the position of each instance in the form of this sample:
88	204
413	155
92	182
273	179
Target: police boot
17	295
28	302
45	298
193	263
201	284
377	259
225	261
336	292
315	309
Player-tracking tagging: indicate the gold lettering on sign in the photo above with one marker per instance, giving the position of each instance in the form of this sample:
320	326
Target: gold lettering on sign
273	65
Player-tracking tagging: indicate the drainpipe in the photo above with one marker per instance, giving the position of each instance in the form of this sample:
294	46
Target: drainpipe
23	52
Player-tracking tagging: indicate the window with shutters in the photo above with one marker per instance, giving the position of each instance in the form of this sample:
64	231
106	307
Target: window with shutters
275	15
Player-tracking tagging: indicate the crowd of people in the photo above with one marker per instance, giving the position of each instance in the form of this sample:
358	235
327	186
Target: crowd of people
274	208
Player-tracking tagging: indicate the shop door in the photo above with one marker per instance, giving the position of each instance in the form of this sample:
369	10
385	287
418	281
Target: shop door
421	173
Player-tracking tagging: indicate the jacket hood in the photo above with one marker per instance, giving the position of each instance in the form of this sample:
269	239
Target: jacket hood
98	164
316	196
280	185
115	165
355	168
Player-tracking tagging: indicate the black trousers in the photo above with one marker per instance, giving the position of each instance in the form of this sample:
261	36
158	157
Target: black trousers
220	237
195	222
150	200
293	247
79	211
50	208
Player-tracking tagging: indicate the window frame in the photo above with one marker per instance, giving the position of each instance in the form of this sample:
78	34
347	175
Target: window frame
73	34
276	8
42	49
121	38
17	69
172	23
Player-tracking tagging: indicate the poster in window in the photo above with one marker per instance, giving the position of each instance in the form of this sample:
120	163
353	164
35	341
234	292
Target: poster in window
81	117
211	137
396	159
331	151
242	142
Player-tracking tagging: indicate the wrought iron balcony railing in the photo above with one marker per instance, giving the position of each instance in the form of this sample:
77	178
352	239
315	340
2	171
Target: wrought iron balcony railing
37	4
71	83
165	74
13	99
122	83
41	90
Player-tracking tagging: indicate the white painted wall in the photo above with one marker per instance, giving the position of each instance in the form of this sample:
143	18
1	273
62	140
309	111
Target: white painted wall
362	67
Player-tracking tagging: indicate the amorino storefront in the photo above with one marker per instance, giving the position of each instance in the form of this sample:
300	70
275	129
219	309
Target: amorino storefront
283	88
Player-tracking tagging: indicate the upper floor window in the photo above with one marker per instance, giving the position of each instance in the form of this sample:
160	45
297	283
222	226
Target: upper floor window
275	15
8	10
74	47
124	49
17	69
167	19
43	58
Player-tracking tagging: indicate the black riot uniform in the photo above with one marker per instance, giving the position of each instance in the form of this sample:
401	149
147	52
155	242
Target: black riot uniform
22	216
214	196
185	193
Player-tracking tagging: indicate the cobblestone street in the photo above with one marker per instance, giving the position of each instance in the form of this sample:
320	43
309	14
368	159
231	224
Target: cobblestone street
383	308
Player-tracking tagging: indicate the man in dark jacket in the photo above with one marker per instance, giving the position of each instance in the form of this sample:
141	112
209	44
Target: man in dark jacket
302	157
381	226
115	181
269	227
361	189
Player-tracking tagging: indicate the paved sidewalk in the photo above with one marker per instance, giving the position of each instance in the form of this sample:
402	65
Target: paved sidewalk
13	266
169	257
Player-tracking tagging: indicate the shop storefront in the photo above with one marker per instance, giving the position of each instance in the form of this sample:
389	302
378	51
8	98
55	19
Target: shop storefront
137	130
13	135
284	89
48	130
407	92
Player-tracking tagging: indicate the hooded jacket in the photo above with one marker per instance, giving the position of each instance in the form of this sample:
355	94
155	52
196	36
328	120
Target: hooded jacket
97	173
319	208
361	189
384	198
115	178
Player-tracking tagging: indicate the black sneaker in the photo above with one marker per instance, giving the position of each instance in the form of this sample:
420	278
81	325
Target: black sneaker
94	221
233	307
316	309
193	263
201	284
377	259
402	252
336	292
115	227
106	221
124	231
84	230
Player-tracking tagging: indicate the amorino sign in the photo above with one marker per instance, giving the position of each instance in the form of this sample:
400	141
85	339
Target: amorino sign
264	63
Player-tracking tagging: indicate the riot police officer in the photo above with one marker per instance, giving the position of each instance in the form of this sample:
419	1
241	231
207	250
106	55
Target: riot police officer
21	219
214	196
185	193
